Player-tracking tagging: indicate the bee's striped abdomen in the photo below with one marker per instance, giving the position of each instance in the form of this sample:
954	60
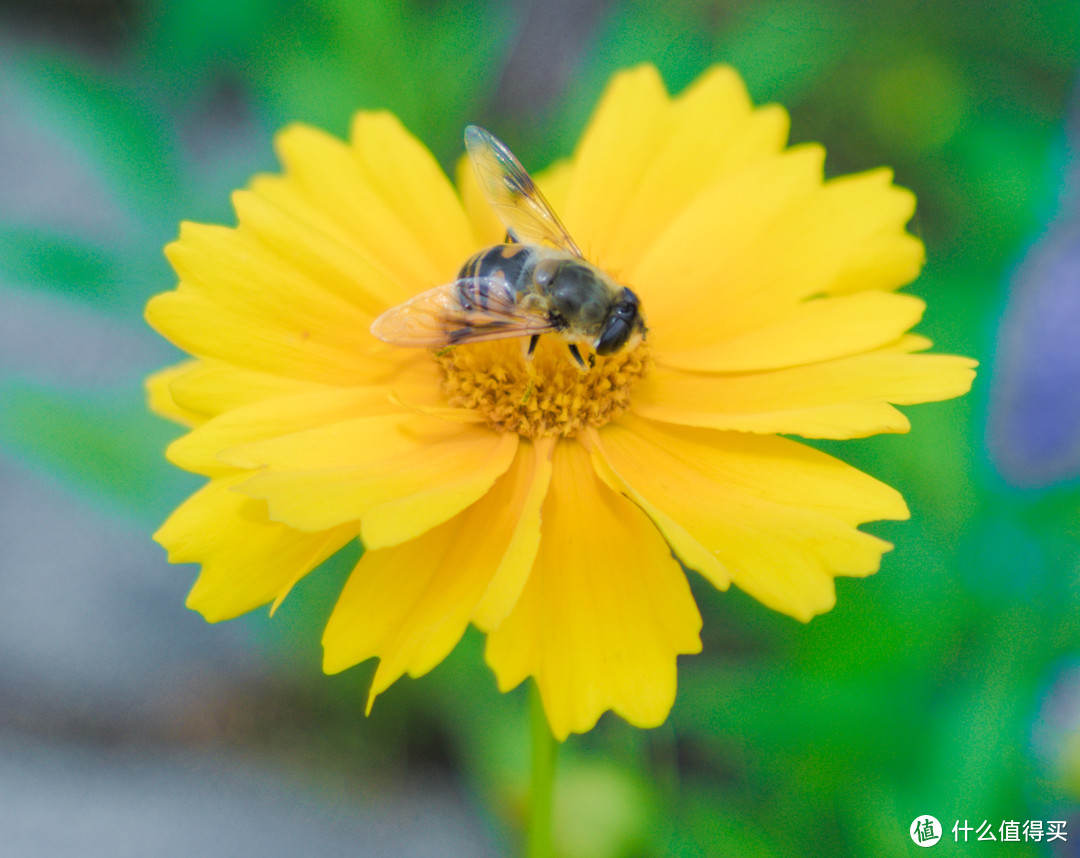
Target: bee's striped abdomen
511	262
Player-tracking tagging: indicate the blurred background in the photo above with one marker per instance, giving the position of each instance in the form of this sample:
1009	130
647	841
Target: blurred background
948	684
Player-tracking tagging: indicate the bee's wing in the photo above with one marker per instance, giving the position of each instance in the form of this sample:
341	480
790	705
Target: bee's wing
469	310
513	195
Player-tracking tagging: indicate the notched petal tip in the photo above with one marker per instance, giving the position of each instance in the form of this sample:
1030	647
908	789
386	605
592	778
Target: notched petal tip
780	517
160	398
603	615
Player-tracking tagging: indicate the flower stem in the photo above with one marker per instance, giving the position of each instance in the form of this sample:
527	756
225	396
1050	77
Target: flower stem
544	751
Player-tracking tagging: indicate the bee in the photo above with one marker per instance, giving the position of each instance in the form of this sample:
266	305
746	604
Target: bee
536	282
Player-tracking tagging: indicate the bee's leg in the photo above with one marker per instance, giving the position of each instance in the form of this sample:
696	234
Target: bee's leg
577	356
530	367
509	239
527	349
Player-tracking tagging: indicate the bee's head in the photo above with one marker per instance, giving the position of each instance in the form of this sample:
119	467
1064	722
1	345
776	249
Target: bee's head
622	322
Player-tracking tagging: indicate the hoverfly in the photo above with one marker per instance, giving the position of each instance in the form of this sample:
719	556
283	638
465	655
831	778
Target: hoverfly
537	282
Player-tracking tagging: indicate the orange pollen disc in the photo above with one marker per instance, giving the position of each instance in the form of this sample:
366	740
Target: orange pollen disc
546	396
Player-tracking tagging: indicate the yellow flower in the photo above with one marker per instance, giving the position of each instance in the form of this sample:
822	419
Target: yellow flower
539	503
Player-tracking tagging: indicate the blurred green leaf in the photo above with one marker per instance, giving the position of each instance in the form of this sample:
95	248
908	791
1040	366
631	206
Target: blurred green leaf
40	258
295	630
110	120
429	64
1016	38
106	445
188	43
710	821
783	48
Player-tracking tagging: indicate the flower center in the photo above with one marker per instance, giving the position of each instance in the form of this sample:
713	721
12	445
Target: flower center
546	396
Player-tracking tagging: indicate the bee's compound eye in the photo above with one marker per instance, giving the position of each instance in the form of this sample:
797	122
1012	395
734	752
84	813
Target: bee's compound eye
620	324
545	271
615	336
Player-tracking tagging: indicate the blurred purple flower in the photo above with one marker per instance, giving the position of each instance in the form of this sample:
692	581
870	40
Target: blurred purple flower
1034	426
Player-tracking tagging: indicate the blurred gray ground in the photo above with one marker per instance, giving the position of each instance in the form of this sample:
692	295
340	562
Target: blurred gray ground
70	800
109	688
112	693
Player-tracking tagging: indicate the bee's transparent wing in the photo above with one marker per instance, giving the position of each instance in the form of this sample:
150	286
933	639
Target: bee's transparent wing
469	310
511	192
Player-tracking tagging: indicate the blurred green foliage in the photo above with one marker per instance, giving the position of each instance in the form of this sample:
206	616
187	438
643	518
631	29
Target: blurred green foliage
920	691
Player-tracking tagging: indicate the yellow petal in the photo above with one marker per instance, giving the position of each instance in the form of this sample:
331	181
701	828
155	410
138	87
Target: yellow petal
247	560
845	398
238	271
701	143
409	604
745	253
399	474
517	513
160	397
487	227
605	612
285	415
867	213
684	545
883	261
403	603
245	306
554	183
323	352
320	250
609	160
193	391
777	516
328	176
720	240
410	183
810	332
211	387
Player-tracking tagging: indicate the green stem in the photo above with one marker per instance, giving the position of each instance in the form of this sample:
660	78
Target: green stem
544	750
